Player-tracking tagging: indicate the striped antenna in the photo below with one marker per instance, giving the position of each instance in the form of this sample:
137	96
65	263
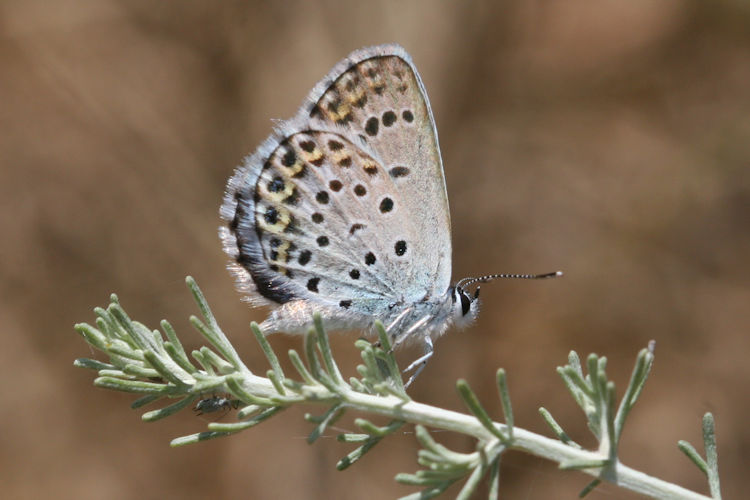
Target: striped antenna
484	279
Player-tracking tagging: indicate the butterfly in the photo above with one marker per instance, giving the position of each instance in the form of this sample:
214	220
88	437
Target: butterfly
343	210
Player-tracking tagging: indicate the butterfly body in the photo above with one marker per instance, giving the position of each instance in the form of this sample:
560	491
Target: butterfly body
433	315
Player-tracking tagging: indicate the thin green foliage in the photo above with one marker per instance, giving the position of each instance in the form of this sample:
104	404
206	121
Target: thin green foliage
154	365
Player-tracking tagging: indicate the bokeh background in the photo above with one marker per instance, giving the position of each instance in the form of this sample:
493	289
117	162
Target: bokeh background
608	139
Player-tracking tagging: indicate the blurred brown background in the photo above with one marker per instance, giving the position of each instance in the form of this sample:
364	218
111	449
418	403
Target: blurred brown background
608	139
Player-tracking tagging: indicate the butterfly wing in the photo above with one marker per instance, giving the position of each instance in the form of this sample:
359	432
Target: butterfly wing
344	207
377	95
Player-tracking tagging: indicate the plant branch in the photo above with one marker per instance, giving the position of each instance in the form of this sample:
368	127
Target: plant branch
156	366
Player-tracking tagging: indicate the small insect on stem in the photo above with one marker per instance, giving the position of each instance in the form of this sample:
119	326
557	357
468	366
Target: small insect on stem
216	403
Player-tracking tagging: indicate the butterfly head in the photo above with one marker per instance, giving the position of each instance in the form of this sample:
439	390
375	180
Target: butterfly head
466	305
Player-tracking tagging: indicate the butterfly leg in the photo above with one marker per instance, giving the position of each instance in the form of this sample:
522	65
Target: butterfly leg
390	329
398	319
420	362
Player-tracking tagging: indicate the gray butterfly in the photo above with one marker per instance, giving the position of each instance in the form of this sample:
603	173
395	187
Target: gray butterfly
343	210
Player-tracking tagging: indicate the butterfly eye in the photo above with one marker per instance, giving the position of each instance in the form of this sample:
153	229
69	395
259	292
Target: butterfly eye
465	303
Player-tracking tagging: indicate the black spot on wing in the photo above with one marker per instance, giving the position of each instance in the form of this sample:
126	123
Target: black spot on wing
399	172
371	126
400	247
370	258
389	118
386	205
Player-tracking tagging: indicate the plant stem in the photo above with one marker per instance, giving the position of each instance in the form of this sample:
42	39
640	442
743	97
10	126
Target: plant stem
534	444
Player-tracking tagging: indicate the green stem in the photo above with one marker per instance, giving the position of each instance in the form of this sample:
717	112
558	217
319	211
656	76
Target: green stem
540	446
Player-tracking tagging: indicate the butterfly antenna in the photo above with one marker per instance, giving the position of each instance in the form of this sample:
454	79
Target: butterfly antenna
489	277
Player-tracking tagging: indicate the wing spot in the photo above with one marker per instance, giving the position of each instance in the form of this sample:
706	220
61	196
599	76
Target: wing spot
370	258
289	158
322	241
276	184
351	82
317	217
370	168
335	145
354	274
389	118
271	216
372	125
400	247
345	162
386	205
289	251
360	190
291	226
356	227
360	102
322	197
346	304
308	146
304	257
399	172
334	103
312	284
335	185
408	116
